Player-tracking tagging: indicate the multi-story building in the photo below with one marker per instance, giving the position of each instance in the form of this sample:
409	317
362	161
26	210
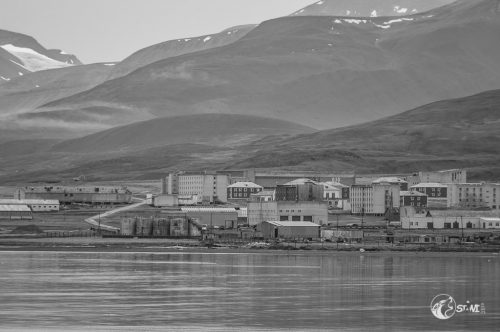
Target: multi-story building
475	195
446	176
337	195
415	198
300	190
209	187
312	211
437	194
68	195
242	190
374	199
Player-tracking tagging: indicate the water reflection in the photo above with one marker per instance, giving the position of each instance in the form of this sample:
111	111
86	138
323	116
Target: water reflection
338	291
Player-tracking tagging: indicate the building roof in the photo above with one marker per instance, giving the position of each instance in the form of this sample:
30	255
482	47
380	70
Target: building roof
245	185
334	184
300	181
207	209
490	219
14	208
28	202
292	223
430	185
77	190
264	193
391	179
410	193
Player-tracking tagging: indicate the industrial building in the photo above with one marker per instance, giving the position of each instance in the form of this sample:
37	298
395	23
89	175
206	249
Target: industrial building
336	195
290	230
309	211
375	199
300	190
226	217
403	185
242	191
36	205
170	225
15	212
208	187
70	195
429	222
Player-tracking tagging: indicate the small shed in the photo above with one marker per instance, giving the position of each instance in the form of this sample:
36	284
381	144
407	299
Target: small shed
290	230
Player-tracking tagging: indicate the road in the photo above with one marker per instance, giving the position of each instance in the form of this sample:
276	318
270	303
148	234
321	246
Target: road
94	221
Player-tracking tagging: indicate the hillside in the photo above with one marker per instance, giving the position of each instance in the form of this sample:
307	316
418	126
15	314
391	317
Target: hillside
320	71
21	54
370	8
173	48
460	132
210	129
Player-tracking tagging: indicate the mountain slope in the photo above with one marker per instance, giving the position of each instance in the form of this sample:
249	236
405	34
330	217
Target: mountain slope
452	133
21	54
178	47
323	72
370	8
211	129
460	132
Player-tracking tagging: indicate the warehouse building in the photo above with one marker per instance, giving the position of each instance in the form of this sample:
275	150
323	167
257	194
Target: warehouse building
36	205
226	217
287	230
15	212
70	195
308	211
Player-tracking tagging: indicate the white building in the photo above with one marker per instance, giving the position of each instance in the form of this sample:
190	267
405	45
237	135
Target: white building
427	222
445	176
311	211
242	190
374	199
36	205
337	195
208	187
475	195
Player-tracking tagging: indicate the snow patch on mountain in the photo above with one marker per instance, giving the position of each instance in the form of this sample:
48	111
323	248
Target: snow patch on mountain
32	60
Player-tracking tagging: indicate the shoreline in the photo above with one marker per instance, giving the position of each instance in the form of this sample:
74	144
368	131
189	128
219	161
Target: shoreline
195	246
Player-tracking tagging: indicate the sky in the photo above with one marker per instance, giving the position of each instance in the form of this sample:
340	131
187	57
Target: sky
110	30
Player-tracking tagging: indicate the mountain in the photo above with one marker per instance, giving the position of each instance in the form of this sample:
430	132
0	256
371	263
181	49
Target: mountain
24	94
370	8
178	47
210	129
321	71
21	54
453	133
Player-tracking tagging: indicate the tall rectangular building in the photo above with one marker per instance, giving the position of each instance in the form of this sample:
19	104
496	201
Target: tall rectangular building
208	187
374	199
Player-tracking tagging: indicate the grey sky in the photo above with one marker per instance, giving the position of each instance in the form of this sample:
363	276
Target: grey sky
110	30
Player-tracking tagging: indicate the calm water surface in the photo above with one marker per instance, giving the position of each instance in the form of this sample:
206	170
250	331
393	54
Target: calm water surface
262	291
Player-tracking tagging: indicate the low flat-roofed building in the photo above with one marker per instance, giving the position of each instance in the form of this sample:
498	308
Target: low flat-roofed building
290	230
69	194
429	222
308	211
36	205
403	185
15	212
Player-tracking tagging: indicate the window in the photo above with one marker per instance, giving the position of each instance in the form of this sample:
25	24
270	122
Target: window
295	218
283	218
308	218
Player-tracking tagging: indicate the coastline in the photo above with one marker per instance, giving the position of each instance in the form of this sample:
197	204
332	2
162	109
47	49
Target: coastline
195	246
